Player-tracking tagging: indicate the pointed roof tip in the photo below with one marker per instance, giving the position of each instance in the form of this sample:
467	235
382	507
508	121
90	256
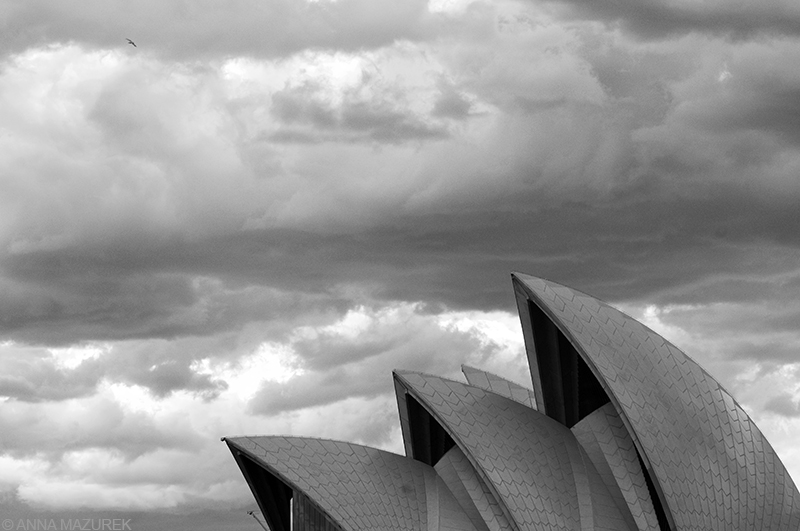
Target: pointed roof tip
525	278
469	368
520	279
465	367
401	372
530	282
537	284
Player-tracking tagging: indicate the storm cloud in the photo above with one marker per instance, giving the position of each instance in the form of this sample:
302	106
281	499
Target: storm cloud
244	224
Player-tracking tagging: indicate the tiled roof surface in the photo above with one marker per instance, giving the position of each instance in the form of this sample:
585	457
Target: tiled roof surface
471	491
609	446
515	469
501	386
597	509
522	453
716	469
530	461
360	488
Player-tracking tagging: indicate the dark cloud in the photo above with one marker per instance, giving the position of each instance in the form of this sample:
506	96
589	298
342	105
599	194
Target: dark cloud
31	375
769	105
98	303
315	389
298	106
141	294
163	367
308	119
769	352
762	324
658	19
168	376
637	244
629	188
386	124
450	104
784	405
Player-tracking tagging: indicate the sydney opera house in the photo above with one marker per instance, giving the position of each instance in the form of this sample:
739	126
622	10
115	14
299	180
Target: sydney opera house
622	431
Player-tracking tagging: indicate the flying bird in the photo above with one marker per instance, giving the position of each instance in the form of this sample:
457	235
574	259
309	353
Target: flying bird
131	43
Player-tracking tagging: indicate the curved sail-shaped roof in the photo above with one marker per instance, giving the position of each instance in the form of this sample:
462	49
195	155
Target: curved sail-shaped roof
533	464
621	431
609	446
472	492
710	465
356	487
498	385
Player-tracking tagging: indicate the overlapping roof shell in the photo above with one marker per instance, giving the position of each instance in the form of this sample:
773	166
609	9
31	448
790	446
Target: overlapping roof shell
621	431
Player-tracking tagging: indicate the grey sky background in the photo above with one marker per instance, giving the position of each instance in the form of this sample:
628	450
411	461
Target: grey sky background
243	224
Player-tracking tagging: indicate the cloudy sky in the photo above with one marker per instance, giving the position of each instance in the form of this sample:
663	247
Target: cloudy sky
241	225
